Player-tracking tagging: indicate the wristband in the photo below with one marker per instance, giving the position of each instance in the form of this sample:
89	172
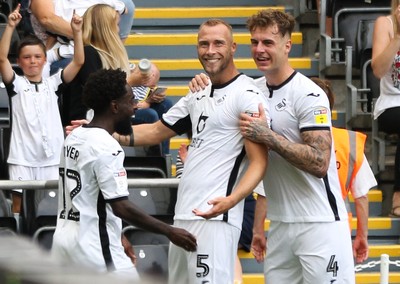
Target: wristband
131	139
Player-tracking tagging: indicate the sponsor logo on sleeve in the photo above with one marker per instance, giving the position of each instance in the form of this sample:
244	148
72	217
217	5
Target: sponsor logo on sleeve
321	115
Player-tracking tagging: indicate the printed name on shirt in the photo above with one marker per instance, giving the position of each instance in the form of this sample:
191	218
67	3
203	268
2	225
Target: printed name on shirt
321	115
196	142
71	152
252	113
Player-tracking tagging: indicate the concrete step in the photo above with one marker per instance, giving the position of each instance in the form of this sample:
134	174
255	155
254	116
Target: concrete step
184	17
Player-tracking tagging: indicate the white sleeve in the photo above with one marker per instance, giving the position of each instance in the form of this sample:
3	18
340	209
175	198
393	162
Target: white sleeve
363	181
260	189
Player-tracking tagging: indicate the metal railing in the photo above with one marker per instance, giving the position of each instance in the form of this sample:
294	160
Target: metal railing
53	184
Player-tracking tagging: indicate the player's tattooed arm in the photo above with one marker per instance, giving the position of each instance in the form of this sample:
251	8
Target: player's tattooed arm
312	156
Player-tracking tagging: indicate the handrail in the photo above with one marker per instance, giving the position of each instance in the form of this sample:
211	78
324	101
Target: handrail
53	184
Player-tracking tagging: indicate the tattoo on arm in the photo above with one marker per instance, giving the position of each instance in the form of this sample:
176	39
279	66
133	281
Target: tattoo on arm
313	156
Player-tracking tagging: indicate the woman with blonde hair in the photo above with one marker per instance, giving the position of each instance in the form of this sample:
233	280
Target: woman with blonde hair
386	67
103	50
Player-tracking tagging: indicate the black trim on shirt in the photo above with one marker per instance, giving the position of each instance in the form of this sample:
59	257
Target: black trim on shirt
313	128
271	89
221	86
331	198
180	127
116	199
103	234
233	177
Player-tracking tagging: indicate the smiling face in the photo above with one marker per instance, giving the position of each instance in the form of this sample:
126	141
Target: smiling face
126	107
215	49
31	59
269	49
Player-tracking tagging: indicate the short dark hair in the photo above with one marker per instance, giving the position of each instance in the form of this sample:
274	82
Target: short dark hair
269	17
102	87
30	40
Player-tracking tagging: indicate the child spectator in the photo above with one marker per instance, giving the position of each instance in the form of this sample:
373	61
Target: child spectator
36	131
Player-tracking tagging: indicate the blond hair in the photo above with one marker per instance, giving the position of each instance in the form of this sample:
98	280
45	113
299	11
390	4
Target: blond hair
100	31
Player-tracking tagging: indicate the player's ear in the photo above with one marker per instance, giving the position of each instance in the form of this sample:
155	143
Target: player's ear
114	106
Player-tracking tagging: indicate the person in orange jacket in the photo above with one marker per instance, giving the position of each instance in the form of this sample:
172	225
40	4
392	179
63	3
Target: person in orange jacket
355	174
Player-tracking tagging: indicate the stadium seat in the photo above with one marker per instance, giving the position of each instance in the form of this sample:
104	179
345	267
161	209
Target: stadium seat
39	209
158	166
152	263
12	54
44	237
7	220
157	202
137	236
346	16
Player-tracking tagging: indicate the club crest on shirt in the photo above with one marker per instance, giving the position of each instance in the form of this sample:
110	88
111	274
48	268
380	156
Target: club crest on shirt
221	100
281	105
321	115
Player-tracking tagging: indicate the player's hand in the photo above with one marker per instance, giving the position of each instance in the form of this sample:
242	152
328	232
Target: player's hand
183	238
258	246
15	17
75	124
128	248
151	79
360	249
220	205
199	82
76	22
182	151
255	129
156	98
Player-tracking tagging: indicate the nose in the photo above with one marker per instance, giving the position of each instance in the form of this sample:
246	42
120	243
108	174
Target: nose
211	49
259	47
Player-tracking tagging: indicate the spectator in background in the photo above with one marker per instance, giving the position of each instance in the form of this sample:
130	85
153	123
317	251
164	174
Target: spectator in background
153	103
126	20
103	50
355	175
50	19
36	133
386	67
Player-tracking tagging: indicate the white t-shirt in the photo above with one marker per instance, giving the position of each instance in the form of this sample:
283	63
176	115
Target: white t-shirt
216	157
36	131
363	181
92	174
293	195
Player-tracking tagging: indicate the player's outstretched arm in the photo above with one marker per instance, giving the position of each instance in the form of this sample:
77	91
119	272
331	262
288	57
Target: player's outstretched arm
6	70
127	211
